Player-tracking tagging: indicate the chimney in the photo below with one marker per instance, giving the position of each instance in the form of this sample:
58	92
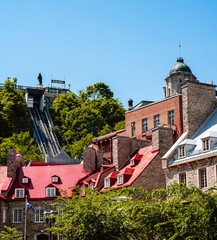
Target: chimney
130	104
11	163
162	139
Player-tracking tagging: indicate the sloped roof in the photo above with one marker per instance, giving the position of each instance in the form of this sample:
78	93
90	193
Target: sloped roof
62	158
147	156
41	177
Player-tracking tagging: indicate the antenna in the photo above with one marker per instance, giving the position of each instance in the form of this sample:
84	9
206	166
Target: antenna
179	49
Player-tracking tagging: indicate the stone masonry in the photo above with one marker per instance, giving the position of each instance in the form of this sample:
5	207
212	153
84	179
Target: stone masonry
198	101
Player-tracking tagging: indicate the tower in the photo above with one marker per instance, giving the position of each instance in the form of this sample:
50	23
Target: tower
179	73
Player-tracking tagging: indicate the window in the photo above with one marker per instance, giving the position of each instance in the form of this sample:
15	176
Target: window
60	237
91	185
133	129
144	125
120	179
182	178
181	151
25	180
132	162
83	190
206	145
103	149
50	192
107	182
17	215
171	117
157	120
55	179
203	178
39	215
4	214
19	192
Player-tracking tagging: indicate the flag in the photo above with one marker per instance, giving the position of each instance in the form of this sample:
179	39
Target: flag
179	44
29	206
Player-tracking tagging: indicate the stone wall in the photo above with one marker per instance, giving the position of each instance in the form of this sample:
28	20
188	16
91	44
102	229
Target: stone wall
192	172
123	147
33	228
152	177
198	101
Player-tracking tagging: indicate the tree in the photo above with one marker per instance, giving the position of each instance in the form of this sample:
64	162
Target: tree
177	213
23	144
10	234
76	117
14	116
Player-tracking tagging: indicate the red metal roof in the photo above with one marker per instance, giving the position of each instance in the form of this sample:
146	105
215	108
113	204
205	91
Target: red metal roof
147	157
40	178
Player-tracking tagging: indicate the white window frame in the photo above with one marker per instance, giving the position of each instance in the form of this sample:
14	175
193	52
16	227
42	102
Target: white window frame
107	182
19	192
132	162
83	190
55	179
25	180
39	215
120	179
19	215
181	151
50	190
91	185
60	237
206	144
4	215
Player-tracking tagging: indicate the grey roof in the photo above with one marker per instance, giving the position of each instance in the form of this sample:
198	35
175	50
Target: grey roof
62	158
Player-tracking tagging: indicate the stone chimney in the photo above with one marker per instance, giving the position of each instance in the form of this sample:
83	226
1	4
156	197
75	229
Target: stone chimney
12	164
162	139
198	101
123	147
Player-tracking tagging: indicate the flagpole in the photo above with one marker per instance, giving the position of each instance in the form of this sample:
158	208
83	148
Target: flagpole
25	218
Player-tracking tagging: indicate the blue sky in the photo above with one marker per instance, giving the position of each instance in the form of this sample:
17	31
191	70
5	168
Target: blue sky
129	45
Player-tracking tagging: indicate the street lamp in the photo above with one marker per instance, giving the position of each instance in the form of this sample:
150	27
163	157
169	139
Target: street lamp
49	218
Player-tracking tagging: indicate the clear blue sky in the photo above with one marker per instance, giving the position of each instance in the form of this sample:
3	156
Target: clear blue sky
131	45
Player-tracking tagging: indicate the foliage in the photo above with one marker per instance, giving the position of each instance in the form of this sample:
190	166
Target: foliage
177	213
10	234
23	144
13	110
120	125
76	117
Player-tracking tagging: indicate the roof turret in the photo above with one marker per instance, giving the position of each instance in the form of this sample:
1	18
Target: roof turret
180	66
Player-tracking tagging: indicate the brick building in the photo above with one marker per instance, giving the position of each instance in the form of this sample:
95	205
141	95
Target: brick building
151	128
41	184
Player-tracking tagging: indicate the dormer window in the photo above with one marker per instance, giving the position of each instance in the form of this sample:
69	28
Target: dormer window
91	185
132	163
181	151
102	169
107	182
206	144
25	180
120	179
55	179
50	192
19	192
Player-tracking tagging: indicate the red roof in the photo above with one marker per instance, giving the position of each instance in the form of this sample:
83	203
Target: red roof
40	178
146	156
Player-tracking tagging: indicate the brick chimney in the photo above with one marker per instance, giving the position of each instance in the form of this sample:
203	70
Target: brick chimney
123	147
162	139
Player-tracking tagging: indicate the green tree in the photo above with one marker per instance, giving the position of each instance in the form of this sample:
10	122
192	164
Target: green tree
23	144
76	117
13	110
10	234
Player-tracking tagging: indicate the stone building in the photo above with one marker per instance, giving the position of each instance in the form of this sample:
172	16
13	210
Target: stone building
151	128
40	184
194	160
